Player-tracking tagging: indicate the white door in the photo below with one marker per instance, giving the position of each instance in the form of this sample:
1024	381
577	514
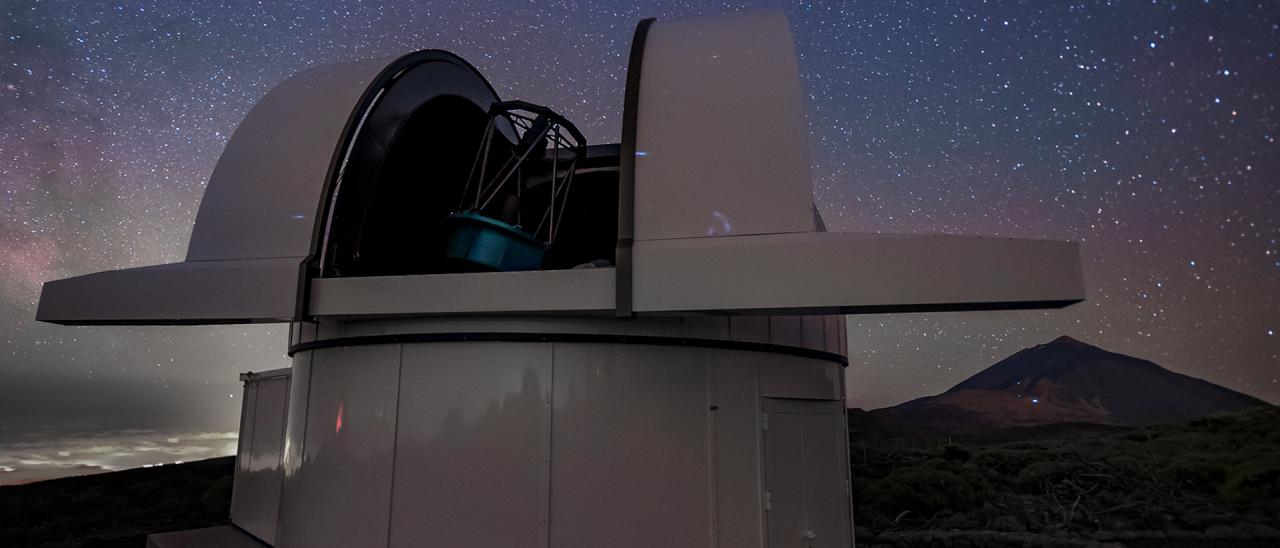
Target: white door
806	474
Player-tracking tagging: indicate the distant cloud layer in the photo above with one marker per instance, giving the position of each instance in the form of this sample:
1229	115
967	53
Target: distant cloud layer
41	453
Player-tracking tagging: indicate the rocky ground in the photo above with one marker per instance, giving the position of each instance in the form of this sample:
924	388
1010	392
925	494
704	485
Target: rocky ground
1209	482
116	509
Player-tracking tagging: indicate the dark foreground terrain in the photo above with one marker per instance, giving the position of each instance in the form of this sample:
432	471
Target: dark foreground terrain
1212	482
116	509
1208	482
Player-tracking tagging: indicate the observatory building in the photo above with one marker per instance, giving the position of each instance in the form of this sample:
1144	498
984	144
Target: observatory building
503	335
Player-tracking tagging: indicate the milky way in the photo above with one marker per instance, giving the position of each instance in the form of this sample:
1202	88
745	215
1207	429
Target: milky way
1145	131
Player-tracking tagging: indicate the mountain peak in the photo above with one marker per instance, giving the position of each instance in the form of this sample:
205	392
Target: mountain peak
1067	340
1066	380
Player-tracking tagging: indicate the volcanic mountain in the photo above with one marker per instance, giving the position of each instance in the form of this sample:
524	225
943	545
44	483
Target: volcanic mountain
1067	381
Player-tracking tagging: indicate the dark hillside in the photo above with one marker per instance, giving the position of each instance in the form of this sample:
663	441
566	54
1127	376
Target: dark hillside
116	509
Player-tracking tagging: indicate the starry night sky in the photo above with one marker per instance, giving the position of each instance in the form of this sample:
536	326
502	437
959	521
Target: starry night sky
1145	130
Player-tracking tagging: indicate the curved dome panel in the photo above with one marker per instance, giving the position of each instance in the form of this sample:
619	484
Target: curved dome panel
266	196
266	203
721	143
261	200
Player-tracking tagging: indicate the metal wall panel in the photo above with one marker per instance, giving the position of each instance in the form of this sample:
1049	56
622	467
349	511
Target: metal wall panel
295	428
831	326
783	376
575	290
749	328
487	324
806	466
737	459
253	290
655	326
706	327
784	480
240	498
826	443
630	445
843	331
256	511
340	494
809	273
329	329
811	329
785	331
473	446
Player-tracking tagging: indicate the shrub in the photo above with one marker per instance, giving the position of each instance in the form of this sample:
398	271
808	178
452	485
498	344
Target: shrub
1254	482
1199	475
925	491
1037	475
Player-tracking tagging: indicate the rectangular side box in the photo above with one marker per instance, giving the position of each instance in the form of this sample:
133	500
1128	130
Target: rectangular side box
255	496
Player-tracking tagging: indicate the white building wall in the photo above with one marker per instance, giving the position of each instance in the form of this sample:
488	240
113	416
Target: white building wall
630	447
473	447
548	444
255	495
240	499
340	494
737	458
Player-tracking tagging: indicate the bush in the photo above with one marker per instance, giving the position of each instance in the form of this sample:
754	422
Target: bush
1037	475
1254	483
1174	479
1198	475
1008	463
955	453
217	499
925	491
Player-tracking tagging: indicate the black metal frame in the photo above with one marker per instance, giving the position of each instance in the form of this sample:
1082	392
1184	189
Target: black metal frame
534	125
